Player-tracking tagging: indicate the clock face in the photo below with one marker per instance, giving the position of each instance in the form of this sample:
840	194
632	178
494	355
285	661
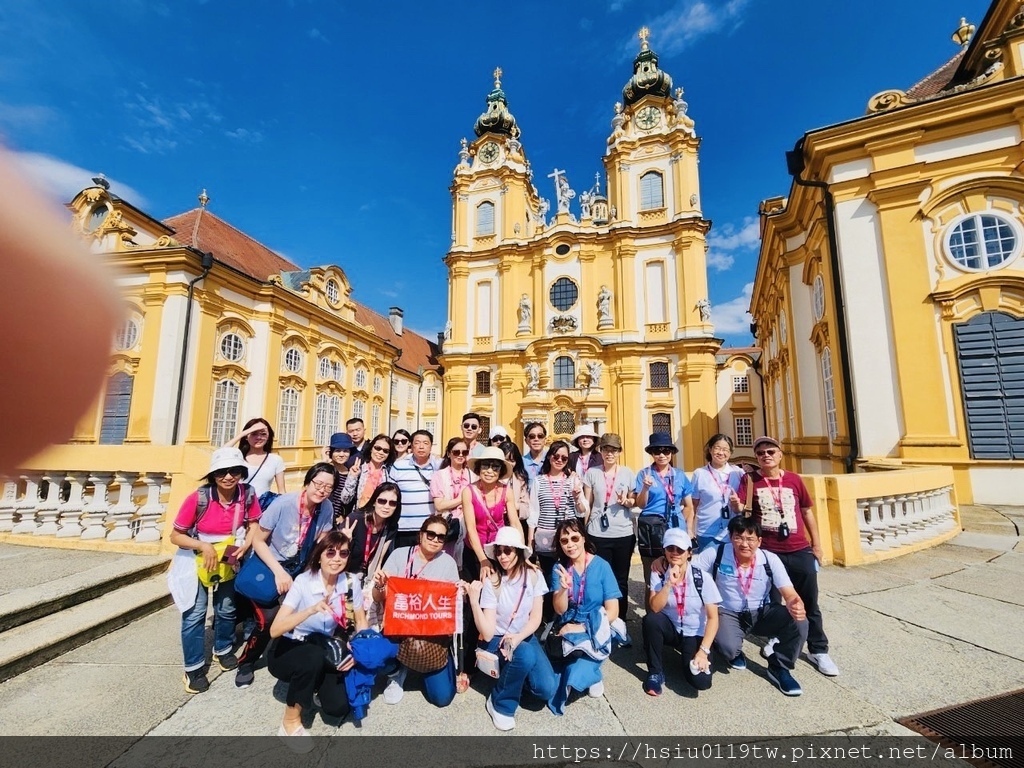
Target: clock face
489	152
648	117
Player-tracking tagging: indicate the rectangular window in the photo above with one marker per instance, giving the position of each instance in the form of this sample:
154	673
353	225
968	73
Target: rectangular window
394	389
376	419
659	375
431	394
225	411
485	219
740	384
654	280
651	192
661	422
431	427
485	428
791	403
326	418
830	395
359	409
288	418
744	431
483	309
483	382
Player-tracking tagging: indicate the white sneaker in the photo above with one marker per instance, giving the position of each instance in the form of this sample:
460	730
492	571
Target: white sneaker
596	691
769	648
501	722
395	690
824	664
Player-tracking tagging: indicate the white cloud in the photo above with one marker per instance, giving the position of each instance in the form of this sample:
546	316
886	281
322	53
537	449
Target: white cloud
687	20
749	234
732	318
61	180
24	116
316	34
719	261
245	135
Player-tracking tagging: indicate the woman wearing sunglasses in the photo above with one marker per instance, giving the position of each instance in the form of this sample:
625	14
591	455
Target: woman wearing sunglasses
220	511
323	600
425	560
660	492
682	612
373	531
508	608
365	476
446	487
586	601
556	495
288	529
401	441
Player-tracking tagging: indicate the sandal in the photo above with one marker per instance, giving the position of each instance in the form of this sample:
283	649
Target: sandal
461	683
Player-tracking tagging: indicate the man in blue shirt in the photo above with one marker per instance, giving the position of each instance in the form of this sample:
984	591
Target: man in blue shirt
536	434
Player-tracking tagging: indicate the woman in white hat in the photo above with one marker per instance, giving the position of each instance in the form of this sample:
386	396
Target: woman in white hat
586	456
210	520
508	608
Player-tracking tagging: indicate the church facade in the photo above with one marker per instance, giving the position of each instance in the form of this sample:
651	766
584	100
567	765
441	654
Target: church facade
596	312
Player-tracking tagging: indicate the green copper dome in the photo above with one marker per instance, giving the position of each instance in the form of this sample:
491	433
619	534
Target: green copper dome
647	79
497	118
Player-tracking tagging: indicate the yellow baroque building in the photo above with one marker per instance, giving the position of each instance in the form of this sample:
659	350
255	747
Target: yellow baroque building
889	294
599	314
220	329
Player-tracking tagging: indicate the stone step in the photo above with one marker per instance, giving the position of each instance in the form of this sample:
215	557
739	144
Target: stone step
62	629
28	604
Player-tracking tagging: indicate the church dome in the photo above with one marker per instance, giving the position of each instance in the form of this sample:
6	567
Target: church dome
497	118
647	79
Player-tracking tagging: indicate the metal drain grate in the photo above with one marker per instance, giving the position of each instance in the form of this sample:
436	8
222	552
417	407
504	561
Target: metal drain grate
985	733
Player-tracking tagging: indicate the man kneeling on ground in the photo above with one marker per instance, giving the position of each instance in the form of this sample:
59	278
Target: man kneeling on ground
744	575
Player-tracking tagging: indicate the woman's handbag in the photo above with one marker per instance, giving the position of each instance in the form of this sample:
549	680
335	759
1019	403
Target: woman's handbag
423	654
335	648
256	581
222	571
650	533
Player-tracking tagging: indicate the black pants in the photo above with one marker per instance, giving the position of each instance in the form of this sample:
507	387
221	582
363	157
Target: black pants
801	569
256	642
470	573
546	561
301	665
659	631
618	552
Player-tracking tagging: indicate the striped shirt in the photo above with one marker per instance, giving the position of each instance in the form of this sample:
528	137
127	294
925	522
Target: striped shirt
413	481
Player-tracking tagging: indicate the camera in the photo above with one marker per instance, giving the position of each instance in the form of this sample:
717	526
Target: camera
784	530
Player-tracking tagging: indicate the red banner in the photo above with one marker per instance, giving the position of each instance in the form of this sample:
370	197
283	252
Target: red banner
419	607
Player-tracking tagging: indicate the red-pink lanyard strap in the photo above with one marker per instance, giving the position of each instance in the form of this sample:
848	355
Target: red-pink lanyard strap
574	598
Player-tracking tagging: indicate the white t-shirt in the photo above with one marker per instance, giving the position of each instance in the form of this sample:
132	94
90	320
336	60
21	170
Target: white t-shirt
505	598
262	480
694	617
743	590
308	590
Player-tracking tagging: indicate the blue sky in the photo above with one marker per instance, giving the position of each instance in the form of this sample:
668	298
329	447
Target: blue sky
329	130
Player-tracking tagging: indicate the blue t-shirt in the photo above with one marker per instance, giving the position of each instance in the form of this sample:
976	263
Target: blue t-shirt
600	585
657	494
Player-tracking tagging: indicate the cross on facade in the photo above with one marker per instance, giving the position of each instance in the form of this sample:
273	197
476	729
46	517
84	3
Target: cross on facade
644	34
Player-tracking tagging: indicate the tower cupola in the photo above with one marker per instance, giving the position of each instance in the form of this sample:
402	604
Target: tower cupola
647	79
497	118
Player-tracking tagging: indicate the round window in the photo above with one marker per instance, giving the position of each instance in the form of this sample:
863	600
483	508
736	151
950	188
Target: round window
332	291
127	336
562	249
564	294
293	360
982	241
232	347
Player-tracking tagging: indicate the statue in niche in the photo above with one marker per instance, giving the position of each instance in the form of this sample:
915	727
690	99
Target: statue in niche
704	307
532	377
525	313
604	308
594	373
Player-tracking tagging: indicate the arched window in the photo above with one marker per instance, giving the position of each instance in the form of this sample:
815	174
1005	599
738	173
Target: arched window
127	335
990	357
225	411
117	403
326	418
652	193
359	409
331	291
361	378
375	421
659	375
565	423
288	417
565	372
485	219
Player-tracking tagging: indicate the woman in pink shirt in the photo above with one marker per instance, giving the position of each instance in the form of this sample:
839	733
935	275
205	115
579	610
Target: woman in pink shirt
446	487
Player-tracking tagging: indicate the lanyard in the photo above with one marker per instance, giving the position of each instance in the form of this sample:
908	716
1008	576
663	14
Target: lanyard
370	546
574	598
341	617
304	521
408	564
519	602
724	487
609	487
670	496
776	492
745	587
556	496
680	595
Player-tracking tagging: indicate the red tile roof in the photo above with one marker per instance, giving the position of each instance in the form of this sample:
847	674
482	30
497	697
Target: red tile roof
203	230
937	81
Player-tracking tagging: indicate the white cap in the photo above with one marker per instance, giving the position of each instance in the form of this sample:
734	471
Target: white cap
676	537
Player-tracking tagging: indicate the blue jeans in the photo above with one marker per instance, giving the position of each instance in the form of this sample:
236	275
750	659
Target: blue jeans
439	686
529	666
193	625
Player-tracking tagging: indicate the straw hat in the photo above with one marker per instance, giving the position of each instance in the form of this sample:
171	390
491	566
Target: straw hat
491	453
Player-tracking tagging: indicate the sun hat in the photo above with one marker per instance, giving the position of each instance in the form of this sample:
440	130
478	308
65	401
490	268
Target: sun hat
507	536
676	537
585	430
490	453
340	441
661	440
769	440
610	439
499	432
226	458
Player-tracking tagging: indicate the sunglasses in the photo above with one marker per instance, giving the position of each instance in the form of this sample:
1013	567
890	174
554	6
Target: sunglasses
381	448
471	426
498	439
459	452
571	540
766	452
400	441
333	552
233	471
661	451
560	457
490	464
434	535
387	502
324	487
610	448
536	436
673	548
505	550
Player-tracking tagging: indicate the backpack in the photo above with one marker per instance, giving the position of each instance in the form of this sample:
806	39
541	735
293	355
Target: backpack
203	504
